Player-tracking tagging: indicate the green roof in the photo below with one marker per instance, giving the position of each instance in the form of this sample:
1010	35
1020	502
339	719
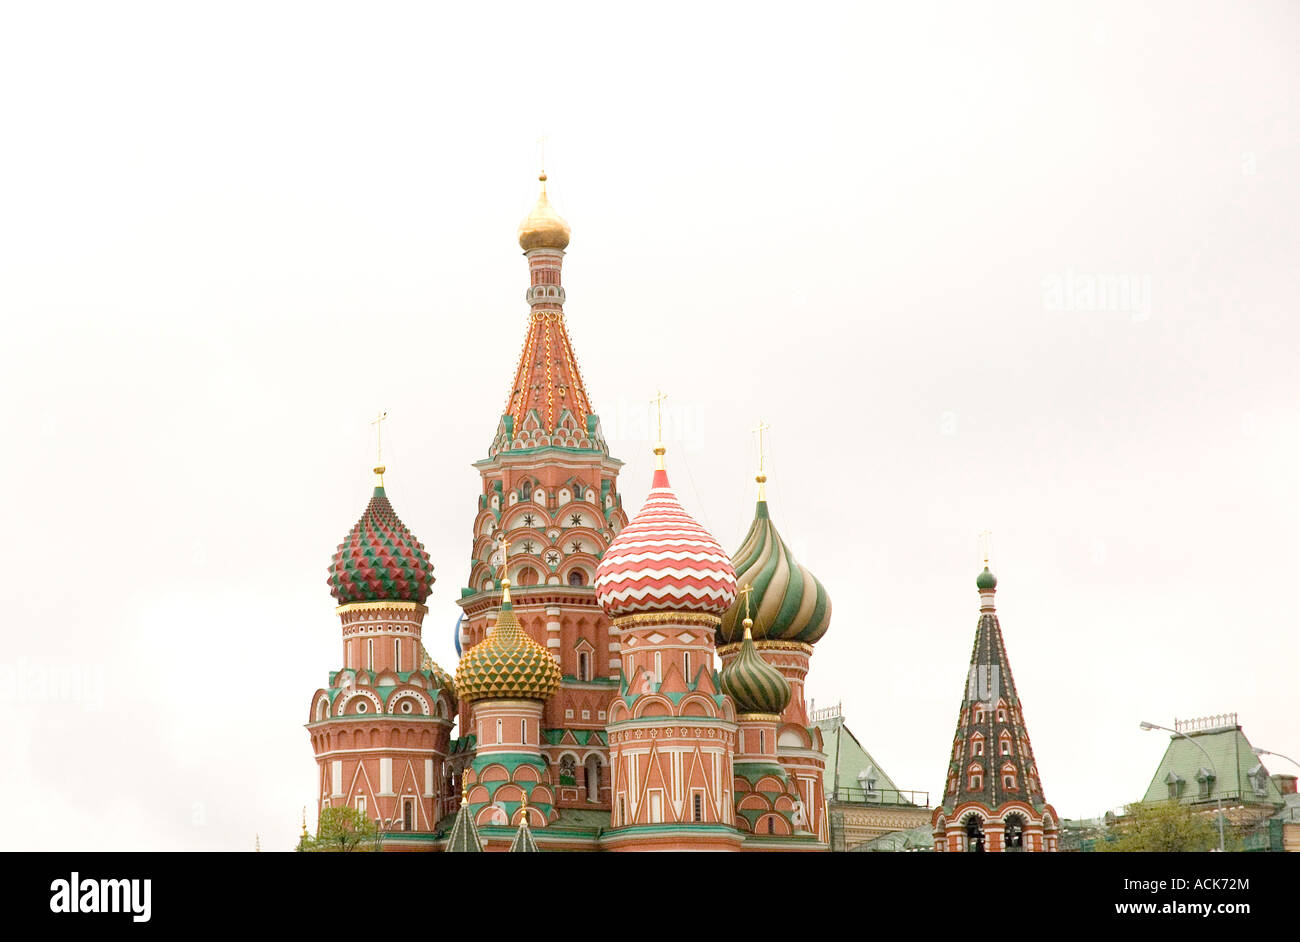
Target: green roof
1232	761
845	752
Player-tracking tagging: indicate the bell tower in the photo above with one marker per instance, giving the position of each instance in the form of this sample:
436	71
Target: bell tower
993	799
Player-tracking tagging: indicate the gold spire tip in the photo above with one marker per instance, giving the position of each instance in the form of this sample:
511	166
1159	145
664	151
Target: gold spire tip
748	625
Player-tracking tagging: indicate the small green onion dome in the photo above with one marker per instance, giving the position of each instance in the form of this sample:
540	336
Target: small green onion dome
755	685
789	603
508	664
986	580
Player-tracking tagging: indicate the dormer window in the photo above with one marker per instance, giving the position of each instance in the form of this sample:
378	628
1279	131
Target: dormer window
1006	747
1205	778
1174	782
977	747
1259	780
1002	716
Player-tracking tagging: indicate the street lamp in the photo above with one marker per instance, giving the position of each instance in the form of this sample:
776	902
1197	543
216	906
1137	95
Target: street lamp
1266	752
1218	798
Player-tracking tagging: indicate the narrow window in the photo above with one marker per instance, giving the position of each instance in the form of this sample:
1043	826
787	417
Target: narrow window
408	814
499	738
397	654
698	807
771	825
370	654
622	810
659	668
361	803
524	731
686	660
762	741
582	666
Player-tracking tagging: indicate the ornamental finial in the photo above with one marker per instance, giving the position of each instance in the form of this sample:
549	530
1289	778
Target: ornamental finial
377	422
762	475
658	401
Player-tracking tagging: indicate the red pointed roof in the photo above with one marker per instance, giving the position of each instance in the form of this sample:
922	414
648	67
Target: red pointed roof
548	393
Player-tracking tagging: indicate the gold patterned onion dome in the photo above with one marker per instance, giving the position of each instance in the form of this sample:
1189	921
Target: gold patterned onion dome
755	685
789	604
543	228
507	664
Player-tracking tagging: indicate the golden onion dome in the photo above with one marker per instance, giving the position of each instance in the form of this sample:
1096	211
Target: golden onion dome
544	228
508	664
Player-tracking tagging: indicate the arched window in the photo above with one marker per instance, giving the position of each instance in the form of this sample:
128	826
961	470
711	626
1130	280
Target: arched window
974	835
1014	831
583	666
577	577
528	576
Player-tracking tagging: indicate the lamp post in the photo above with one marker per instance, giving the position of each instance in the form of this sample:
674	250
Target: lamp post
1218	798
1266	752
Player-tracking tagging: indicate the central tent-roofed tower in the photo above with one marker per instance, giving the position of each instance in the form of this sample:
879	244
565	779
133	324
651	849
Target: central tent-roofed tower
550	488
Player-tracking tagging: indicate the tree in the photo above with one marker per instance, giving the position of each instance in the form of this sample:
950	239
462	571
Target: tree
1157	826
342	829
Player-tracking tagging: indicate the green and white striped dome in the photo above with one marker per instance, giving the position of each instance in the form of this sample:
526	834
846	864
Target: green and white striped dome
755	685
788	603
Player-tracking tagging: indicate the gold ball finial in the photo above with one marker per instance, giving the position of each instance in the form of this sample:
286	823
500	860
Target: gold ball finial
748	625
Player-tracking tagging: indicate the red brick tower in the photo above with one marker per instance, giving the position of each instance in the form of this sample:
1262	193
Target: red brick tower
380	729
550	487
665	581
993	800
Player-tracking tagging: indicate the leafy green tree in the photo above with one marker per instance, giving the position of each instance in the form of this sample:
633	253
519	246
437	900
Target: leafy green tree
1148	827
342	829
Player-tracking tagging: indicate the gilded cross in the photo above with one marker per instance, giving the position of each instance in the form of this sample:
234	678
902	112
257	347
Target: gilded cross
377	422
744	592
762	427
505	553
658	401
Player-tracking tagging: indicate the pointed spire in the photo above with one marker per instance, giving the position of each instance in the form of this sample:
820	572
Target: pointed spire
524	841
547	405
993	760
464	836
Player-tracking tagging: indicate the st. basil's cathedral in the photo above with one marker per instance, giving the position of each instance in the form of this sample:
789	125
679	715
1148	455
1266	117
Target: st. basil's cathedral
589	710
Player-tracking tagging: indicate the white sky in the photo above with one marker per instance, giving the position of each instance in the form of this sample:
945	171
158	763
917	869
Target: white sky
229	233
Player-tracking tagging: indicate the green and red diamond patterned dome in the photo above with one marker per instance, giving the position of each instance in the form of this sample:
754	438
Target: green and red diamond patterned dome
380	560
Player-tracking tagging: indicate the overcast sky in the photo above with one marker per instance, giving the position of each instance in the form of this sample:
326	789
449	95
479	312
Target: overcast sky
1026	268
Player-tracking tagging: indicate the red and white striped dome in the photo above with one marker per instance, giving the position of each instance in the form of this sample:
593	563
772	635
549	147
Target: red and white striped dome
664	561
